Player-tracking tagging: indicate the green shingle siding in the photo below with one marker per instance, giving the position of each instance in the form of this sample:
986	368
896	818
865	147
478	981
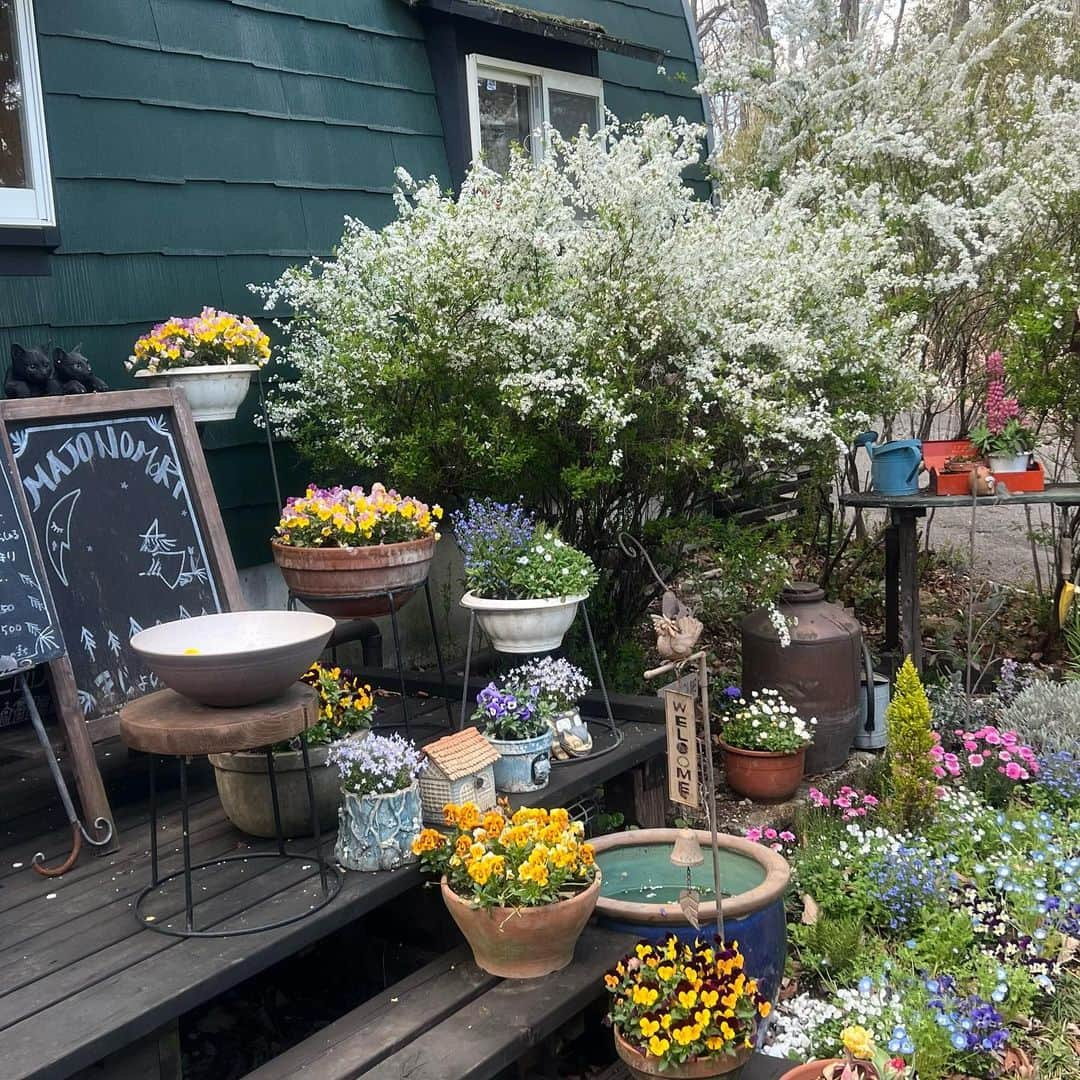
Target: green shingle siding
199	145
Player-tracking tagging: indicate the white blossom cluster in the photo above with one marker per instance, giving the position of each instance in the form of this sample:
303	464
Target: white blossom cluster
962	139
585	289
794	1024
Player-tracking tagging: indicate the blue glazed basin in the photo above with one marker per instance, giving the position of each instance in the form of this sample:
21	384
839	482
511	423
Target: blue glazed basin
640	894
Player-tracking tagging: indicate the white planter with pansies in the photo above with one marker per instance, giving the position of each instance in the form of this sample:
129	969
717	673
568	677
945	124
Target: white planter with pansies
524	626
214	391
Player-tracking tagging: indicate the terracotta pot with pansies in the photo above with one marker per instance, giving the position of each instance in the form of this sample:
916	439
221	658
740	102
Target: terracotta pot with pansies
520	889
349	553
681	1009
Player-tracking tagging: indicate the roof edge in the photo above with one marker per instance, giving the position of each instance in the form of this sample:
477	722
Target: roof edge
542	24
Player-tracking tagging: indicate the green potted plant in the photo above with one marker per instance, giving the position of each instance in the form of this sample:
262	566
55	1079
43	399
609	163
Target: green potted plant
380	815
520	890
764	742
684	1011
346	552
512	722
211	357
1002	437
524	582
346	708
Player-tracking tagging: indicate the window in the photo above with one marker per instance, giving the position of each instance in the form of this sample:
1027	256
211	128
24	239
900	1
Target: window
509	103
25	183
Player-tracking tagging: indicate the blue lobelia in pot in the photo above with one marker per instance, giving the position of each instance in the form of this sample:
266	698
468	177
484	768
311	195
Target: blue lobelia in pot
524	764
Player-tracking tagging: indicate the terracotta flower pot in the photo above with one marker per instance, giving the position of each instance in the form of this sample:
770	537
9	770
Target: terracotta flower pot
525	942
763	775
643	1067
811	1070
351	582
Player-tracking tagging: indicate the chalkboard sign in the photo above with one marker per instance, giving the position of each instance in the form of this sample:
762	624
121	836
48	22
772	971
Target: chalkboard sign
128	527
29	634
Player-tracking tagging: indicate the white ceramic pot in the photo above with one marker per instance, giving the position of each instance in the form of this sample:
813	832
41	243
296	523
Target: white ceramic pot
524	626
214	391
1002	463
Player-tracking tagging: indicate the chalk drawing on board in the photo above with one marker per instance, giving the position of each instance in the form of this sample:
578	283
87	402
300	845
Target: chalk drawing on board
18	442
87	701
58	531
167	471
166	563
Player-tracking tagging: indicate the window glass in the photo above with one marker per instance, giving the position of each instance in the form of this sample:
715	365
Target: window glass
12	111
569	111
505	120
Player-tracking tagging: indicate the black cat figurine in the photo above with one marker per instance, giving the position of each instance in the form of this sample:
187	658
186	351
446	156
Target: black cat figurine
31	374
74	374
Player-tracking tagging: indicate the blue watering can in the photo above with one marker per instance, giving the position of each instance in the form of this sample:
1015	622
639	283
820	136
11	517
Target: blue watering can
894	466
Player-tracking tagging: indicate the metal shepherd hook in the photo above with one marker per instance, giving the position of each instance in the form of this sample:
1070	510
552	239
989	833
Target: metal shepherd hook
78	832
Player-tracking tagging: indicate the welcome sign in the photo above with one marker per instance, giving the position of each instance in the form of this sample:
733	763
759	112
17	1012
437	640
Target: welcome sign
680	711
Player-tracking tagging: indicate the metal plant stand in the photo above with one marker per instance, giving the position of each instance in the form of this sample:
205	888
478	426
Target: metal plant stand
399	659
612	727
165	724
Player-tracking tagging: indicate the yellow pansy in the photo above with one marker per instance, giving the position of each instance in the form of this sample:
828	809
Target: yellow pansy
659	1047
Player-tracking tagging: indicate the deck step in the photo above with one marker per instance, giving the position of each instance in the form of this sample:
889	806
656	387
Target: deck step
364	1037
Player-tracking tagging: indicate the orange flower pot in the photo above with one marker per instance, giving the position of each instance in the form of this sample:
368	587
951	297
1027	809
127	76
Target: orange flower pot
643	1067
355	581
763	775
523	942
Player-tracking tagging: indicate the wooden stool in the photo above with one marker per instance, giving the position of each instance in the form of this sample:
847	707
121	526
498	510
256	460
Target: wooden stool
167	724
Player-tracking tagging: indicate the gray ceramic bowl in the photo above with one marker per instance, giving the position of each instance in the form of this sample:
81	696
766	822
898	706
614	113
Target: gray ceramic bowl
235	658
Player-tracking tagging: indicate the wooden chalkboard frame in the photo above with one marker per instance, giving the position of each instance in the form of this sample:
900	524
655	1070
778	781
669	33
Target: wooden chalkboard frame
80	733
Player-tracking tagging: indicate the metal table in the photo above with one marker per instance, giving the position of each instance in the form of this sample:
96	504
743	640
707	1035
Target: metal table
903	636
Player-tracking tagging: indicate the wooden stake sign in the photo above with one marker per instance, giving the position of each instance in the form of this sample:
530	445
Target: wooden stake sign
682	749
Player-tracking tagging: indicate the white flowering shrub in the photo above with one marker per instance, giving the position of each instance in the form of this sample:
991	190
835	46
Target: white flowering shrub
585	333
963	139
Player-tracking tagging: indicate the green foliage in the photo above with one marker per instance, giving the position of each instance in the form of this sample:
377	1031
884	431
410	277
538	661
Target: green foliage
753	565
833	949
944	943
910	742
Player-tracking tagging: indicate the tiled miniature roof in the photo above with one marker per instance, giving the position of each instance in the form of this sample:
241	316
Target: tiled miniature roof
462	754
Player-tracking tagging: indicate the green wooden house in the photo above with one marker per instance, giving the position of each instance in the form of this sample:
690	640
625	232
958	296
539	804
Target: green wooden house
160	155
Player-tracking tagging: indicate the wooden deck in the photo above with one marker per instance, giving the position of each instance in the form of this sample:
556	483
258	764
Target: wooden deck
80	979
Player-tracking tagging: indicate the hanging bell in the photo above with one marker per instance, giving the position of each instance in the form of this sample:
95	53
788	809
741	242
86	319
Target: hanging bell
686	851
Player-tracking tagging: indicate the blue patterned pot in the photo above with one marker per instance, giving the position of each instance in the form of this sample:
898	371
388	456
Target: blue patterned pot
375	831
524	764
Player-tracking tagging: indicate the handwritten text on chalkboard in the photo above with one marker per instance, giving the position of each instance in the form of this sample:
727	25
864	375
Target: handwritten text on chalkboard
112	508
28	631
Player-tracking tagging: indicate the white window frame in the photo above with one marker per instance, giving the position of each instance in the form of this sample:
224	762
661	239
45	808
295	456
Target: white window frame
32	206
540	80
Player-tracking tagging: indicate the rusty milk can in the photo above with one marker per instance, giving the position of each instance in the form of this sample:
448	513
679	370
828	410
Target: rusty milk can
818	672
